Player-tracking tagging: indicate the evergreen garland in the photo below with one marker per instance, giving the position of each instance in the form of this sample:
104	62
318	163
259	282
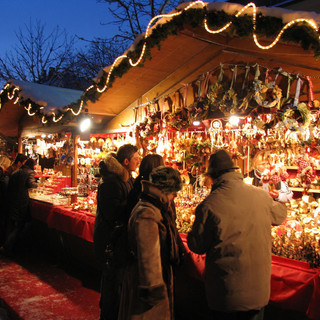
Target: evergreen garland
242	26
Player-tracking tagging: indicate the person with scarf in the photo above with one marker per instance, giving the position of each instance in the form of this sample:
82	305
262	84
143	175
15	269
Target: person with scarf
147	290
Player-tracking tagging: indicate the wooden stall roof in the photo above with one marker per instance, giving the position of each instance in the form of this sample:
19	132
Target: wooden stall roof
182	58
14	118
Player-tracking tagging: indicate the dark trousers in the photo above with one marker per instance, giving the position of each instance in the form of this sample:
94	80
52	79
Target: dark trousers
15	232
239	315
110	291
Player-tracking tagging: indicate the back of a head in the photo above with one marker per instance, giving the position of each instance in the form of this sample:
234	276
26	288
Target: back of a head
20	158
126	152
148	163
167	179
30	163
220	162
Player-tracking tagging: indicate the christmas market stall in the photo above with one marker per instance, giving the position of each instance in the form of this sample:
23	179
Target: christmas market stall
221	75
203	77
45	124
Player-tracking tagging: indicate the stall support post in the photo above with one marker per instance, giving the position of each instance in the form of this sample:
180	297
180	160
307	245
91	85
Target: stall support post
20	146
20	149
74	168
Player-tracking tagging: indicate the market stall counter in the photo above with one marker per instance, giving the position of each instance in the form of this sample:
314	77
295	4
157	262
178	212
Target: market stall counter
65	234
294	285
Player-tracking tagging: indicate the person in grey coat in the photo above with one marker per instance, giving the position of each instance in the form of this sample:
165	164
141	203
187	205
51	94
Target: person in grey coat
233	228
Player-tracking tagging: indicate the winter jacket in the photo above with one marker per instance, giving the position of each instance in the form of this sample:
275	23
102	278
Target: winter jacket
233	228
19	184
147	291
111	216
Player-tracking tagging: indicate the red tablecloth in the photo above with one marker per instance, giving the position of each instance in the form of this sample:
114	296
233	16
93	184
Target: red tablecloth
294	285
78	223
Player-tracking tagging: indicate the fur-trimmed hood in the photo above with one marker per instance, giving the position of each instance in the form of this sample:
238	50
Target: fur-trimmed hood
112	165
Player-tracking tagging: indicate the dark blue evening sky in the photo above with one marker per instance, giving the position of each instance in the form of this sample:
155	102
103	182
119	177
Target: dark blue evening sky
78	17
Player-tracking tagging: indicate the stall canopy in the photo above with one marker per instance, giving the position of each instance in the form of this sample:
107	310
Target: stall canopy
19	100
29	109
179	48
196	39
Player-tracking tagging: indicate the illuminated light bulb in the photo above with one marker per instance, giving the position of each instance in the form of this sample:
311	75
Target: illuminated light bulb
85	124
234	120
196	123
43	119
85	121
43	136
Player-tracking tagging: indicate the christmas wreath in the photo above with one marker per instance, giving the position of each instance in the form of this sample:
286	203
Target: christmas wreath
267	95
179	120
297	117
151	126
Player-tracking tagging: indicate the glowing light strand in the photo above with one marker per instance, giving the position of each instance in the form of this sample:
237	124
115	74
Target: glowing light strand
10	97
29	110
170	15
54	118
311	23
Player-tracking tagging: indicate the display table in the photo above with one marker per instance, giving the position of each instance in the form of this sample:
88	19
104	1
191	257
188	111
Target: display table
78	223
294	285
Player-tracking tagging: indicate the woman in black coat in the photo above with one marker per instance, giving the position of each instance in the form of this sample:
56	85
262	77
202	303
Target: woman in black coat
18	203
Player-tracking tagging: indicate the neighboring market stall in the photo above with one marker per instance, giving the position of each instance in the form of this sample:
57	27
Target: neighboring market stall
210	76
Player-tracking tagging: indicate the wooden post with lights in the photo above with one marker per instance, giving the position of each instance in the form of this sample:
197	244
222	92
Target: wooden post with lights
74	168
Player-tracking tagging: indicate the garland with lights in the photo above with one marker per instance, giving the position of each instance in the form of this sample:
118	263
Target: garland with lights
11	92
301	31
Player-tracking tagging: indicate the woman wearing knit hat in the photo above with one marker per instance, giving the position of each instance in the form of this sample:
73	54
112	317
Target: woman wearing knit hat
147	291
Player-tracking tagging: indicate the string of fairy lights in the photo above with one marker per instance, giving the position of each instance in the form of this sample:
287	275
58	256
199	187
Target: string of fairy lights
14	94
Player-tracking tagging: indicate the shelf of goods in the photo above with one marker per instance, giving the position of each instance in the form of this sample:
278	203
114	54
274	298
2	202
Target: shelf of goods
56	190
297	238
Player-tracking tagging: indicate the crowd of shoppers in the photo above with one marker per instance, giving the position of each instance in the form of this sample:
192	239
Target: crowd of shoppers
136	221
139	247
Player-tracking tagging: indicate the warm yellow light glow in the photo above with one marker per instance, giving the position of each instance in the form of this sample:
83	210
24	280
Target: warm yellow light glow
78	112
10	97
85	124
16	101
29	110
54	118
116	62
234	120
203	4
